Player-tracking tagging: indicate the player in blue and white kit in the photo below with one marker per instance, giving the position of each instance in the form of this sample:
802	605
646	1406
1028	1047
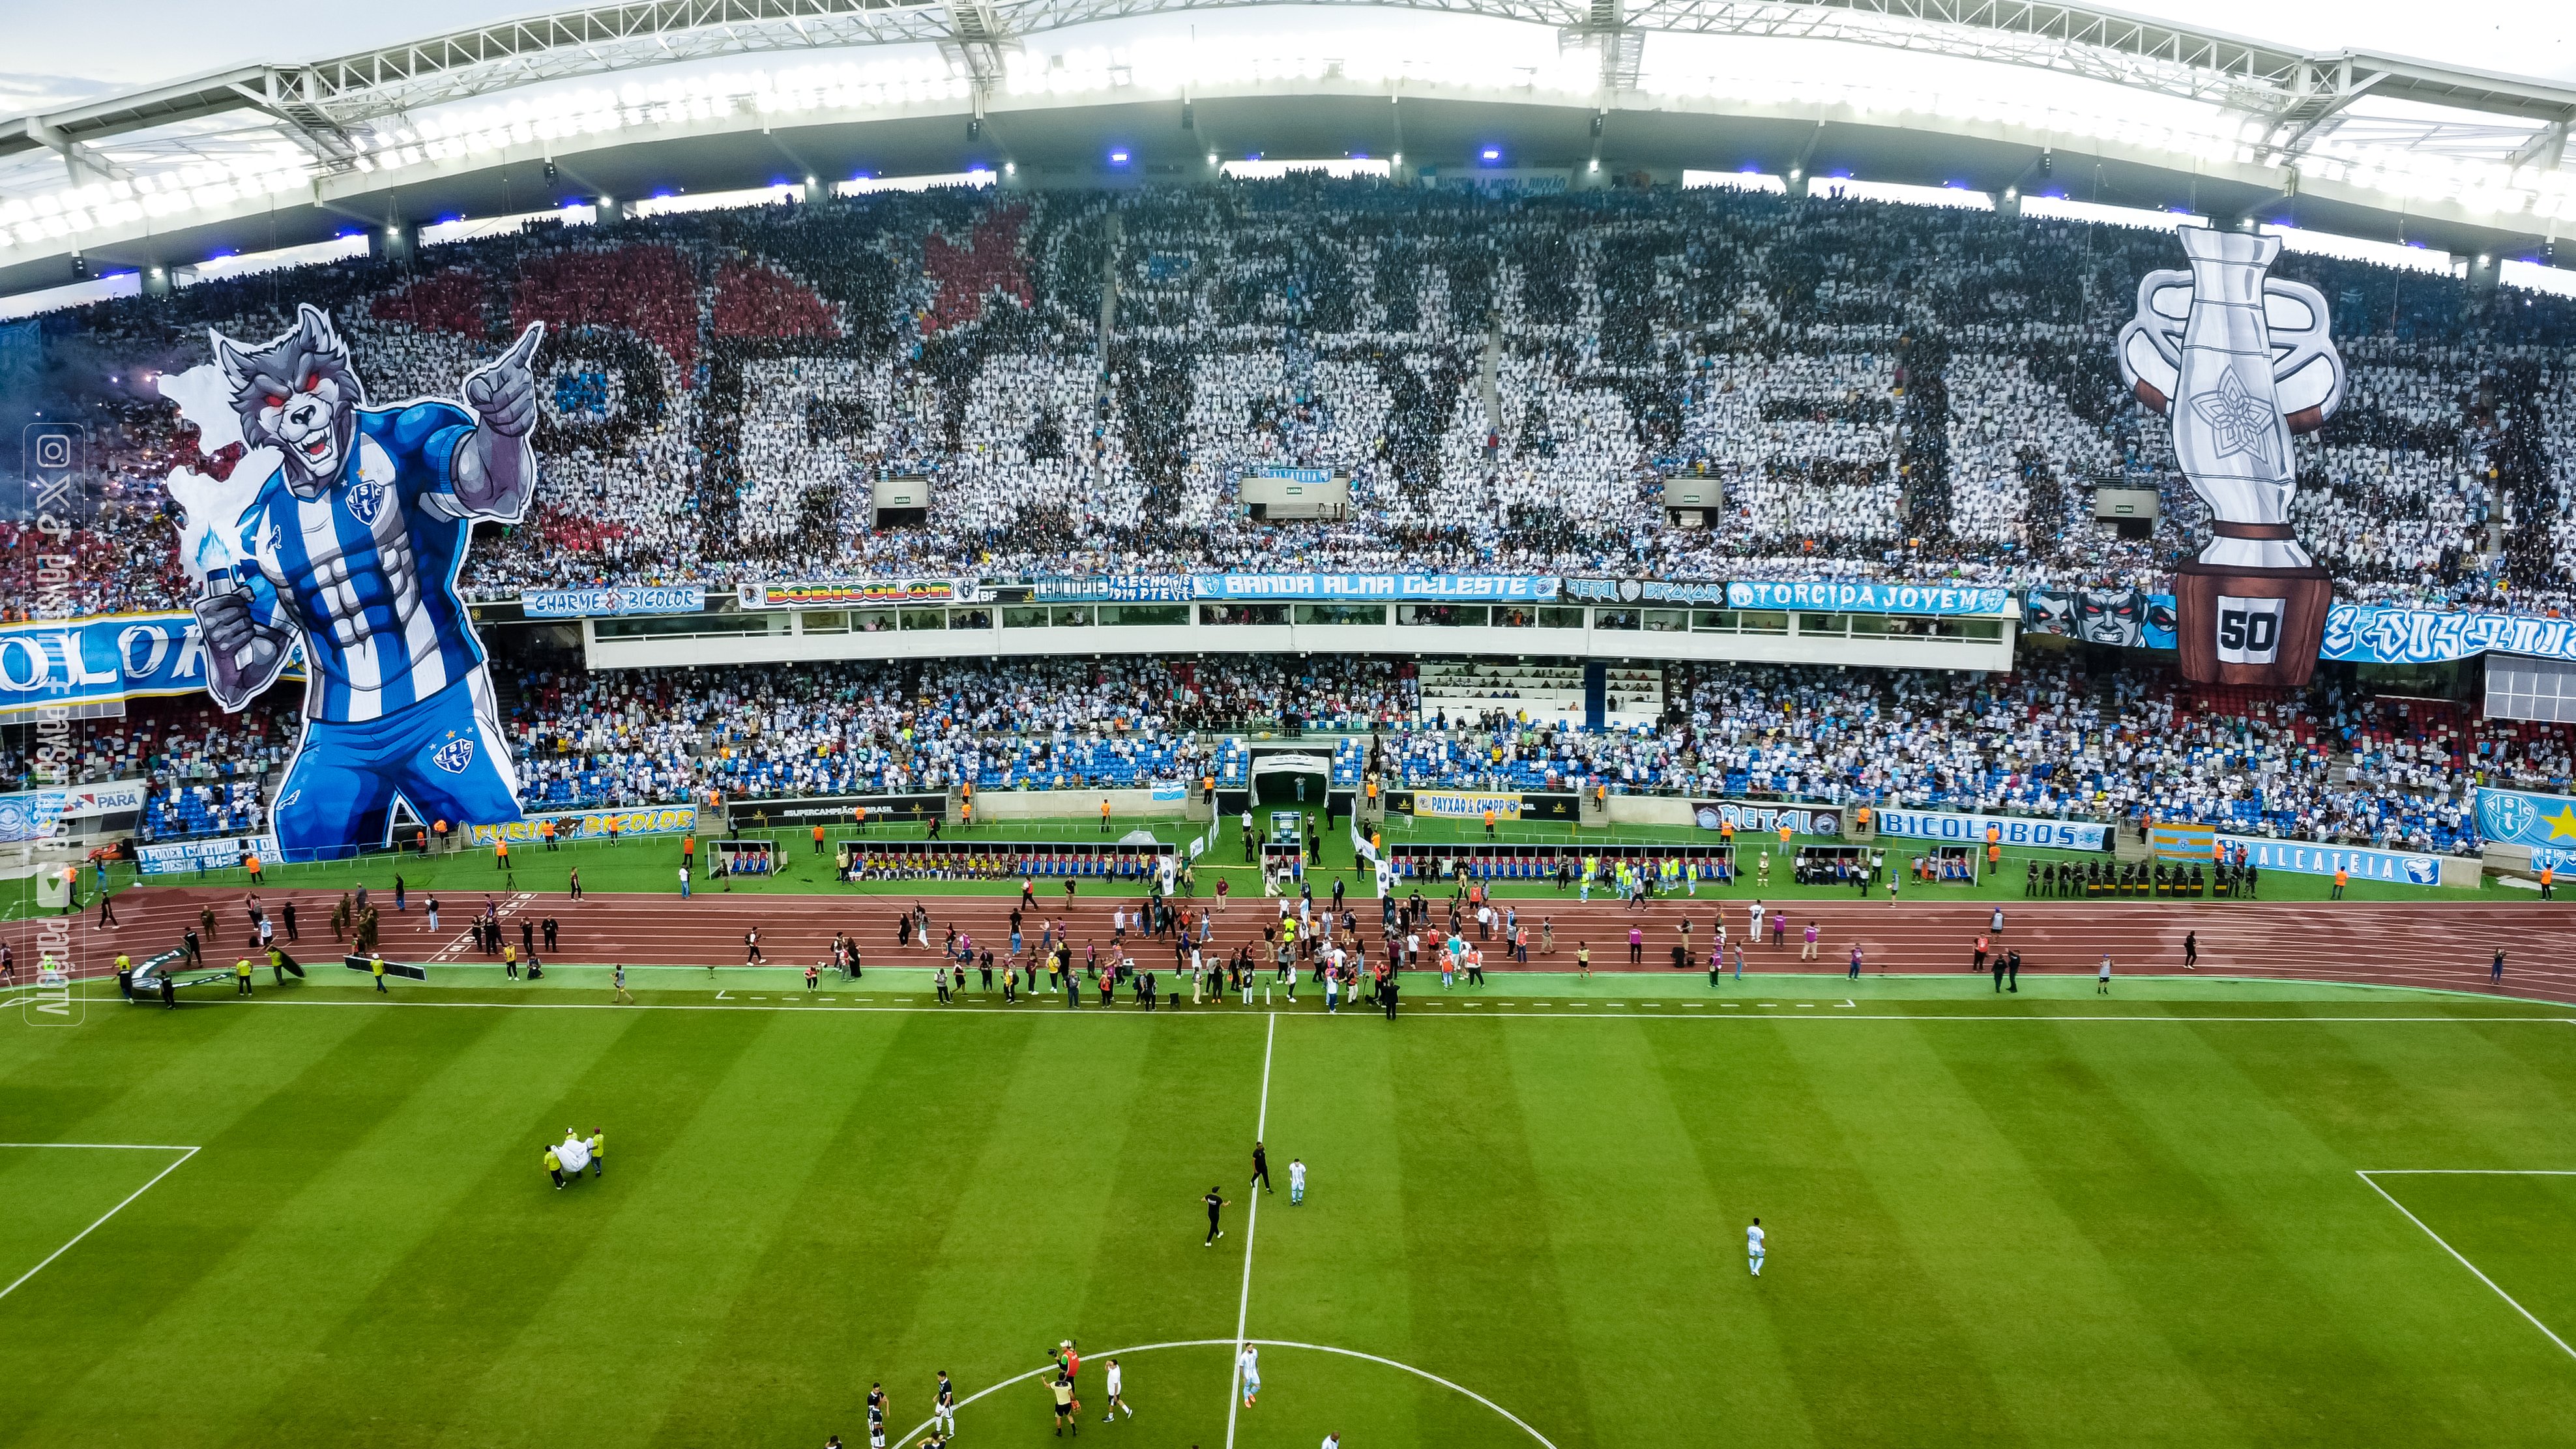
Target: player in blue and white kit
1296	1181
351	548
1250	1363
1753	1247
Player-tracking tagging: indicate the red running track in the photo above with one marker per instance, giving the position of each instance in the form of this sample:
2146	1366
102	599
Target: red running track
2387	943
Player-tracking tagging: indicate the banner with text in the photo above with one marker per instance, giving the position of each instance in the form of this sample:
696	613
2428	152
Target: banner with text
1373	586
592	825
859	595
1857	597
2008	829
803	811
2383	634
182	857
91	661
1176	589
1464	805
1753	819
2304	857
606	602
30	815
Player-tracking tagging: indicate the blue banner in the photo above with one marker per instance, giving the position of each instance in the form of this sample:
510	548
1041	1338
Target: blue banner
2382	634
1644	591
2525	817
39	814
1373	586
2306	857
1859	597
2008	829
2130	618
624	599
1764	819
91	661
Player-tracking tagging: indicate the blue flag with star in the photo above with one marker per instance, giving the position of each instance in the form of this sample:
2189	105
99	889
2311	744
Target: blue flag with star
2525	817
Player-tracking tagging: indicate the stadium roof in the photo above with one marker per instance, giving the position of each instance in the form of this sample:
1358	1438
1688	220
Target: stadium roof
661	96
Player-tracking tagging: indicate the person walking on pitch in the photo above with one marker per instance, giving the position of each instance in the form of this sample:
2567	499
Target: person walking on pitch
1250	1363
1296	1182
1753	1247
1117	1390
1215	1203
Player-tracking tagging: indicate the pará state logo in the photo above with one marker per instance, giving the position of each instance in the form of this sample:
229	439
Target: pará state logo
453	756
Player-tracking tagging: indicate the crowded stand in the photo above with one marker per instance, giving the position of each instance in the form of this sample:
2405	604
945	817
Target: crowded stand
1884	392
2128	744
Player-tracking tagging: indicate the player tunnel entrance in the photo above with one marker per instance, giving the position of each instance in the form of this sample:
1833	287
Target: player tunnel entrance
1291	777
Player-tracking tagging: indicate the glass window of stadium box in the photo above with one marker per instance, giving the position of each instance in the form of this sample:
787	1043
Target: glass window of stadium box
832	621
970	618
690	626
1614	618
925	619
1668	621
1072	616
1447	616
872	621
1341	613
1243	613
1560	618
1133	615
1832	626
1030	618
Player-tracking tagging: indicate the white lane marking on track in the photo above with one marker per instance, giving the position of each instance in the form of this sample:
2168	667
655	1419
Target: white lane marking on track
1456	1388
1924	1016
1251	1225
2366	1177
184	1154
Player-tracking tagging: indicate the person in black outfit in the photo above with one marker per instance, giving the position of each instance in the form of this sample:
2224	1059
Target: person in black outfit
2000	957
1260	1167
528	938
2191	951
1386	992
549	930
169	991
2012	969
195	948
286	914
1215	1202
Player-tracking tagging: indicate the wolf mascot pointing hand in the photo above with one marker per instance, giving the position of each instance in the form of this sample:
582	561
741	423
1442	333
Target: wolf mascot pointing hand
351	547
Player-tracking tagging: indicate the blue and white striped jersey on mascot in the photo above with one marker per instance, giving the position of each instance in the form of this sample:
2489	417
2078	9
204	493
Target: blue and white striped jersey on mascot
373	556
396	701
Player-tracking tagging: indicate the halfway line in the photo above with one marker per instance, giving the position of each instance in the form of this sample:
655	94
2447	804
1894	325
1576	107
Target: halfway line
1251	1224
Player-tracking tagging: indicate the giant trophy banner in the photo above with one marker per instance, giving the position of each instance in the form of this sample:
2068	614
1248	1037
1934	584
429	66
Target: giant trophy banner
2238	362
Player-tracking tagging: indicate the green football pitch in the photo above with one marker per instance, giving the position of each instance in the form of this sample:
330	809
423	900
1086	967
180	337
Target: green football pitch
321	1218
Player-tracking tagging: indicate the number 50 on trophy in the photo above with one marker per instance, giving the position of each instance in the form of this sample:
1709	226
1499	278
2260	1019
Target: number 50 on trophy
2238	362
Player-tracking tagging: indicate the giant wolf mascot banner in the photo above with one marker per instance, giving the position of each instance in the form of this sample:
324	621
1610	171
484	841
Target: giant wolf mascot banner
340	533
2239	361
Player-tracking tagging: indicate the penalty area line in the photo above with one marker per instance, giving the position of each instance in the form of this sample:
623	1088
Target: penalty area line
2367	1176
184	1154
